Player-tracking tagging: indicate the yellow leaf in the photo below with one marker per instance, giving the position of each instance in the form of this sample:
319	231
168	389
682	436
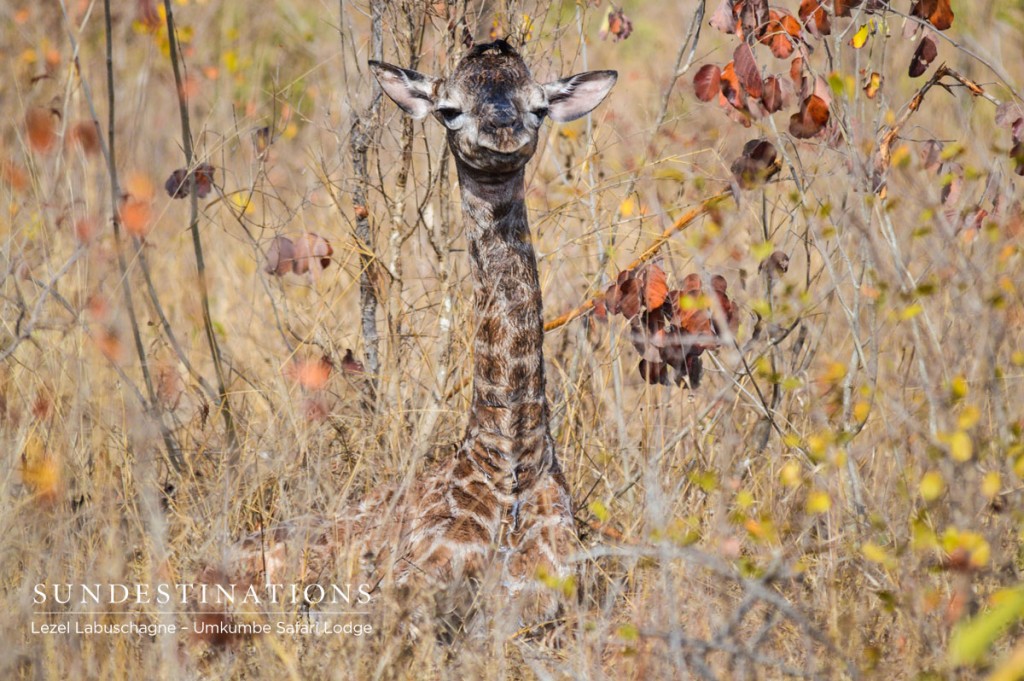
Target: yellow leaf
932	486
976	546
861	36
761	307
960	446
818	502
627	207
762	250
834	372
873	85
790	474
242	202
911	312
971	640
877	554
981	554
901	156
39	470
951	151
628	632
744	499
991	484
968	418
958	388
791	383
922	536
817	444
1012	668
861	410
599	510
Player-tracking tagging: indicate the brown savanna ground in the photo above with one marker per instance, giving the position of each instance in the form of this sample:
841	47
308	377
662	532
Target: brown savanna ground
875	512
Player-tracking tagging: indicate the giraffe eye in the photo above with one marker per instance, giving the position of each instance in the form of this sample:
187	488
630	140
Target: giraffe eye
449	114
541	112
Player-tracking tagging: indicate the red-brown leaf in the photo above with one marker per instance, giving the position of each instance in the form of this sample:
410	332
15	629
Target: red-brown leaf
779	34
814	17
136	216
772	97
312	254
41	125
708	82
351	365
311	374
619	26
937	12
655	286
731	89
777	263
728	309
87	136
747	72
623	297
758	163
754	14
654	372
177	184
843	7
1017	154
924	55
280	256
811	119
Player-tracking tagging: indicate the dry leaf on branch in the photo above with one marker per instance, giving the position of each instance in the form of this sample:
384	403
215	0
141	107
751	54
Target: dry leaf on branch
811	119
757	164
924	55
707	82
670	329
936	12
177	184
776	264
41	126
309	254
617	25
813	16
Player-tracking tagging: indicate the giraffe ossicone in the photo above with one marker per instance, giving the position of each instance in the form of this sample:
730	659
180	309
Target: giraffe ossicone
498	512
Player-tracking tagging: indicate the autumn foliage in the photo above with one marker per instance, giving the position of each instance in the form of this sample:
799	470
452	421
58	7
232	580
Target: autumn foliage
671	328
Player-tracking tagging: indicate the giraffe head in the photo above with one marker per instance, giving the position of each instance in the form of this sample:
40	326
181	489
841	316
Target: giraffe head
491	105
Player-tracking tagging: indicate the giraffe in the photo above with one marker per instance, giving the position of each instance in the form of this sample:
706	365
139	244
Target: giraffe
499	510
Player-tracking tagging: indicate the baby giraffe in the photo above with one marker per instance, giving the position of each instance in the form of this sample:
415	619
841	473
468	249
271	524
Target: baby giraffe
497	513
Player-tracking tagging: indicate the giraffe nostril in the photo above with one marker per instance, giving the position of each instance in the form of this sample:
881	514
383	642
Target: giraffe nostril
504	117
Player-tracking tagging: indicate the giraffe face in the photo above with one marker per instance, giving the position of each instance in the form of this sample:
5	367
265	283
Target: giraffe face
491	106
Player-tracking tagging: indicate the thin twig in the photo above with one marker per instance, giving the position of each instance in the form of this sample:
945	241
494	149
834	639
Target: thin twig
197	244
173	452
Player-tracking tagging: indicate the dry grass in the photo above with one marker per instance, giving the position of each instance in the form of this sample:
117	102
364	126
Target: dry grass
818	554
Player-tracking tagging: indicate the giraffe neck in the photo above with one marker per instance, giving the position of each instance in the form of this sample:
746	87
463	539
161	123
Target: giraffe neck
507	434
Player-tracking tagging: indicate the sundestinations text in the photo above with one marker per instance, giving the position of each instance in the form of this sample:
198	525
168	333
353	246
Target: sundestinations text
206	594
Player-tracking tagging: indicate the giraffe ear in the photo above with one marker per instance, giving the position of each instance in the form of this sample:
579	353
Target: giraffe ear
576	96
411	90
